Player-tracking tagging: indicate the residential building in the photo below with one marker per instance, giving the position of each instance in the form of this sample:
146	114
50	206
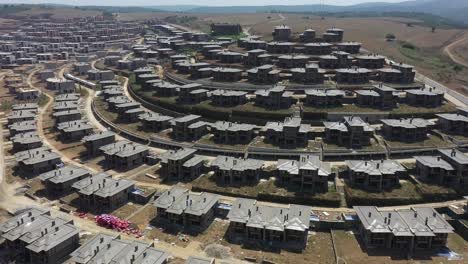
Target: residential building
352	132
180	165
308	174
324	97
74	130
232	133
459	162
404	230
59	181
375	175
250	221
290	133
453	124
425	97
190	210
95	141
380	96
274	98
100	193
406	130
104	248
437	170
188	127
155	122
26	141
237	172
35	161
124	155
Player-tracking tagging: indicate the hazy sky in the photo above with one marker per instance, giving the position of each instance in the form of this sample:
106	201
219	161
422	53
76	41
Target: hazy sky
197	2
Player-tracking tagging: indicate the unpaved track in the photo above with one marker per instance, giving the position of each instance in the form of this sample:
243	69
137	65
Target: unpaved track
449	51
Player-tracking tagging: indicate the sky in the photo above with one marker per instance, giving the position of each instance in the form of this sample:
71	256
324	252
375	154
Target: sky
198	2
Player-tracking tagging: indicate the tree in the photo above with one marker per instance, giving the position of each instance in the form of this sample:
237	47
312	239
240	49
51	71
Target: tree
390	36
433	29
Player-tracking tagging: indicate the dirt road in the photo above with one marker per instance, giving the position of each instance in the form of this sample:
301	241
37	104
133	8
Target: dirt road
452	54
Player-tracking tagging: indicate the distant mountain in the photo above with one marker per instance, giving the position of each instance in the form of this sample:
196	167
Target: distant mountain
175	8
456	10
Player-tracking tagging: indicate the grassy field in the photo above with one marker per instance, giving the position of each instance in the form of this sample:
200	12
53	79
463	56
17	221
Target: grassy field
431	141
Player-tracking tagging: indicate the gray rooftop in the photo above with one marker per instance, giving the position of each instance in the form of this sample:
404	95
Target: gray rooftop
99	135
64	174
419	221
454	155
231	163
380	167
453	117
37	155
199	260
179	200
229	126
434	162
408	122
123	148
306	162
76	125
26	138
179	154
293	217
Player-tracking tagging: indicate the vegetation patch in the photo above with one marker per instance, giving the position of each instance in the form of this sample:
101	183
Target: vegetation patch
267	191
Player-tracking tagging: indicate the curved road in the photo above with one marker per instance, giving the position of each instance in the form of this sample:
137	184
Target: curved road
448	50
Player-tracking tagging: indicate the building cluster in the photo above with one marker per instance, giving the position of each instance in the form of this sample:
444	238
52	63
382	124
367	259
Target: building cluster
46	41
307	60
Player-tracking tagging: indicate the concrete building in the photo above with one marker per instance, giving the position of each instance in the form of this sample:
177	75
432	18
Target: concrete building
308	174
353	75
425	97
280	47
352	132
225	29
459	162
35	161
405	230
324	97
104	248
60	85
189	127
190	210
290	133
281	33
265	74
95	141
155	122
26	141
228	98
349	47
66	116
22	127
375	175
100	193
437	170
180	165
222	74
406	130
318	48
287	226
292	61
257	57
124	155
380	96
311	74
307	36
407	72
236	172
274	98
20	116
59	182
371	61
232	133
67	97
453	124
74	130
33	236
65	106
98	75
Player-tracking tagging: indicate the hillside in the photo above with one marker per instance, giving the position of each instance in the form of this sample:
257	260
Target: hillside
456	10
